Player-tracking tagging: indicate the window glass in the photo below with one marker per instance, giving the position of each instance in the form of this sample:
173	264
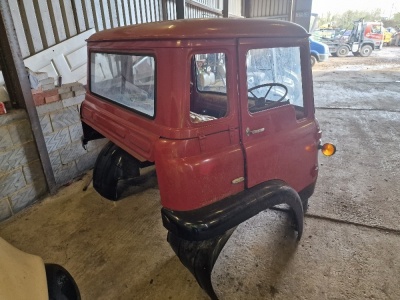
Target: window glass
376	29
210	72
274	79
208	87
125	79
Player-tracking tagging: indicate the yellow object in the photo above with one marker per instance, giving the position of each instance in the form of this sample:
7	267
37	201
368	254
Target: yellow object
328	149
387	36
22	275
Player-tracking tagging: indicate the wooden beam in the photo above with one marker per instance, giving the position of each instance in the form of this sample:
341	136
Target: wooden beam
17	81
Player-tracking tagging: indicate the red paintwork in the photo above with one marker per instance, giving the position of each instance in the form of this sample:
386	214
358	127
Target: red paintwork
376	37
196	163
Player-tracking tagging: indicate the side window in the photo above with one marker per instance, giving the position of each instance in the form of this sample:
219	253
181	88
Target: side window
208	91
274	79
125	79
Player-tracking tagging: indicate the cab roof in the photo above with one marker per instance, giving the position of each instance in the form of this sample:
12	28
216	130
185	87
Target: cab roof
202	29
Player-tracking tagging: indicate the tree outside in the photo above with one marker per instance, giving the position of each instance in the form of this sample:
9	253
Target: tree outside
345	20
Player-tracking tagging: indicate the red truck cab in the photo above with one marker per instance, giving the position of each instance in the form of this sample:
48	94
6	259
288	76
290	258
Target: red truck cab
224	110
374	31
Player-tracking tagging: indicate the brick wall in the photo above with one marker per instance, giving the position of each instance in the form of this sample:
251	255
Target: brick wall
21	177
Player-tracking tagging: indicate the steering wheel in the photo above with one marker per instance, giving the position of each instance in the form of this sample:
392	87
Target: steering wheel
270	87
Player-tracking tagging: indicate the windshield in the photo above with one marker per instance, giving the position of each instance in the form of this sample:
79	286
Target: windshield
125	79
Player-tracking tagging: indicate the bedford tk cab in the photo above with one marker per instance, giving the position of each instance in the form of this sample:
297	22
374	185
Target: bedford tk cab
223	108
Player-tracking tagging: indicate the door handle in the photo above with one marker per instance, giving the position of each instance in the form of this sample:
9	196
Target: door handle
255	131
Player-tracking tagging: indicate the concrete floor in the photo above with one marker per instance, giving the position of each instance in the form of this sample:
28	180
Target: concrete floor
350	247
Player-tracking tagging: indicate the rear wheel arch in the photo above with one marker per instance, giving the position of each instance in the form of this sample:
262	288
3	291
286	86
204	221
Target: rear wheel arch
113	164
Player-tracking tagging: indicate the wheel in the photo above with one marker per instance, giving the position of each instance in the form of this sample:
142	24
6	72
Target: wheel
60	283
365	50
342	51
270	85
313	60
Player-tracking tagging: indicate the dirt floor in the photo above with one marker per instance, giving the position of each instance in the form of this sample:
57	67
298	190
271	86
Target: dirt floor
350	246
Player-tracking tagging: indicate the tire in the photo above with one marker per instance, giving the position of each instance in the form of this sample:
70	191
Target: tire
342	51
60	283
366	51
313	60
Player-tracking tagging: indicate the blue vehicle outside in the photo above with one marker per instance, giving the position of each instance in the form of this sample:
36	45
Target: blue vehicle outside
319	52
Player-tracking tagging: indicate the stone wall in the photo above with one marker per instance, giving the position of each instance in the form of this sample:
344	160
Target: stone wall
22	181
60	120
21	176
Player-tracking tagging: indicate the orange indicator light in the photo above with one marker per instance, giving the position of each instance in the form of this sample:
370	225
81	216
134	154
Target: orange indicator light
328	149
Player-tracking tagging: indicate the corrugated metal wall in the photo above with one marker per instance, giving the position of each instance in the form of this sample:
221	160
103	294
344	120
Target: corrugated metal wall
194	9
41	24
204	9
277	9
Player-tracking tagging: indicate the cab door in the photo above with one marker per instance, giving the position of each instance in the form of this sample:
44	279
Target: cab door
278	129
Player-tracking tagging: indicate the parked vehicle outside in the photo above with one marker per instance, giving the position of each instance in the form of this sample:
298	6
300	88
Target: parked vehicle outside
395	40
319	51
343	36
387	37
364	38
